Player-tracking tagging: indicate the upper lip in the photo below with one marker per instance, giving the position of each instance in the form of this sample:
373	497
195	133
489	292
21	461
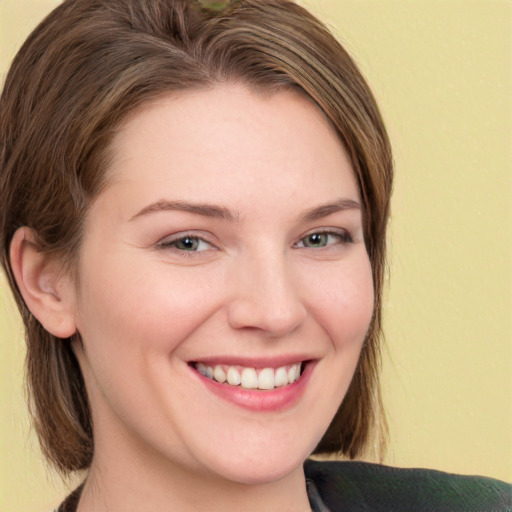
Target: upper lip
254	362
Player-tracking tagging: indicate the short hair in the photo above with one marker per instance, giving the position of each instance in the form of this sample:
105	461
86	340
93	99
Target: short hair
92	63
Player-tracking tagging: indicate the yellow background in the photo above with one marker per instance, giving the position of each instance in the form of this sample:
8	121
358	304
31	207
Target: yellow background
442	72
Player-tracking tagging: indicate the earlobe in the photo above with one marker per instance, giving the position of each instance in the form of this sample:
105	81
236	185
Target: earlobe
47	292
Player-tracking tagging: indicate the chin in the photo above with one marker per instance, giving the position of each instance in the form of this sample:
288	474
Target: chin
265	466
259	474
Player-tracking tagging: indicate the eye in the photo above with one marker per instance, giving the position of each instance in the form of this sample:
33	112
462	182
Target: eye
185	243
321	239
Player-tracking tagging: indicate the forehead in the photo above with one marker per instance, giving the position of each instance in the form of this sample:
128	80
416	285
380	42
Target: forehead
198	143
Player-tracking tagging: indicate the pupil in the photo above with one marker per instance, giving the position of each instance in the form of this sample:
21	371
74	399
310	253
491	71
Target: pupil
188	244
317	239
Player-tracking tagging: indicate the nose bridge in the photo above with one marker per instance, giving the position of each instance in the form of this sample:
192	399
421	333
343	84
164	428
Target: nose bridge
266	294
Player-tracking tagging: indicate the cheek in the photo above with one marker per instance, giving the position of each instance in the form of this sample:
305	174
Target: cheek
154	309
131	321
343	302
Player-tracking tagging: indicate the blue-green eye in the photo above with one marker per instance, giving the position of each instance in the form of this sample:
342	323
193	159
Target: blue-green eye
186	244
321	239
316	240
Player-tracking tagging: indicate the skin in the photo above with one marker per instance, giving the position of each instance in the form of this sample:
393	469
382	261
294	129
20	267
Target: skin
257	285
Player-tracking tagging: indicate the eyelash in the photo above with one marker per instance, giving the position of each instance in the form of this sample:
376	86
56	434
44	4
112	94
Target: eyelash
341	236
172	243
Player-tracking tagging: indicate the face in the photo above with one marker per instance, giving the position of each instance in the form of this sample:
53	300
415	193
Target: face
225	290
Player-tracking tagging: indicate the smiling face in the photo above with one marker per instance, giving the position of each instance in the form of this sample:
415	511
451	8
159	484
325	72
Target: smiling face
228	246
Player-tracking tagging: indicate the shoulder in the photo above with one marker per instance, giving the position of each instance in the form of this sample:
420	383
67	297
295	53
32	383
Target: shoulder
359	486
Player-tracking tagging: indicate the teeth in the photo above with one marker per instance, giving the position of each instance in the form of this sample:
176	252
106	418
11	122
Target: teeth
250	378
218	374
233	376
292	373
266	379
201	368
281	377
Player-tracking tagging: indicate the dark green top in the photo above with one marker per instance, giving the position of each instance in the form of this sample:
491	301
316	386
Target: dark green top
363	487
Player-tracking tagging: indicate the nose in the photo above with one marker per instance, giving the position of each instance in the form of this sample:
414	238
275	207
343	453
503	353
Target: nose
265	297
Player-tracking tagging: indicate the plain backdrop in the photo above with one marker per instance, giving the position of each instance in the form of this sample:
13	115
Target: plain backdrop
441	71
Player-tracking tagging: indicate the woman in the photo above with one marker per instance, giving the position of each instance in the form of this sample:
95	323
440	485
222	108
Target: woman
195	198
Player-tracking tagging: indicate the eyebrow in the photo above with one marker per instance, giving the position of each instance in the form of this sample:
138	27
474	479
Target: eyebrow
221	212
207	210
325	210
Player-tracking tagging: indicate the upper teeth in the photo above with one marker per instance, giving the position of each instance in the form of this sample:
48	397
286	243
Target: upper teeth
251	378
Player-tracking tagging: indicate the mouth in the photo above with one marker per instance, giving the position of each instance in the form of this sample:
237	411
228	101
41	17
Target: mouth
246	377
259	385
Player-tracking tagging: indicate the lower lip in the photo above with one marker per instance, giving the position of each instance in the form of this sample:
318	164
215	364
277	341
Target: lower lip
269	400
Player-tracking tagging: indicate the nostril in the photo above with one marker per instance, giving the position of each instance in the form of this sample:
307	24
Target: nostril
274	321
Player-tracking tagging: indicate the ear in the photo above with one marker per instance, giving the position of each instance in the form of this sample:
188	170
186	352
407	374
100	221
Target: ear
48	293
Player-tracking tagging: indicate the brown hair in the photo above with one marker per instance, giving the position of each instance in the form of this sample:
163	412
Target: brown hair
81	72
